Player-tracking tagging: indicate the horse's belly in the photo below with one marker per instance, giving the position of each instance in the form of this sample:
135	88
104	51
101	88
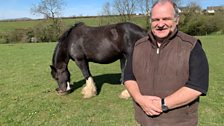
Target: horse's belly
104	58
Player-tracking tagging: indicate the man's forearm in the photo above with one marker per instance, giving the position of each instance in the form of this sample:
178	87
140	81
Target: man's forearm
133	89
181	97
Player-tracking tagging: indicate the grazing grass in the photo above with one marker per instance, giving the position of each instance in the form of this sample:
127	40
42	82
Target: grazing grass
27	95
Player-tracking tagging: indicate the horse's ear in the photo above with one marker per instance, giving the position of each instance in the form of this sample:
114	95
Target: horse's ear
53	68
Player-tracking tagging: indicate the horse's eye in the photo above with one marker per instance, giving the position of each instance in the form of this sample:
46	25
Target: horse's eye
55	77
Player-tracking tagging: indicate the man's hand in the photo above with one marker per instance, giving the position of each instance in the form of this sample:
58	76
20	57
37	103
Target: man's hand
150	104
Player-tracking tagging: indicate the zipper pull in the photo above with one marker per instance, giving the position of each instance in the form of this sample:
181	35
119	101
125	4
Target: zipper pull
157	50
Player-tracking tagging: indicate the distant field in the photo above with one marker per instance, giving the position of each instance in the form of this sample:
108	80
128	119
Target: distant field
11	25
94	21
28	97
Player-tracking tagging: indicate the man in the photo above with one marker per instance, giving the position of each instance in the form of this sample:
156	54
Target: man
167	72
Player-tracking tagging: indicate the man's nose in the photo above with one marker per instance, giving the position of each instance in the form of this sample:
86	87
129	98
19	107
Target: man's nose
161	24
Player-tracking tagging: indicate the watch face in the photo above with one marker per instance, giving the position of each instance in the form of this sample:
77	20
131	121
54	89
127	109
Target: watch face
165	108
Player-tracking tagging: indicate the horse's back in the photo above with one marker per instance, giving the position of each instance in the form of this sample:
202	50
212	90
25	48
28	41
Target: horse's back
103	44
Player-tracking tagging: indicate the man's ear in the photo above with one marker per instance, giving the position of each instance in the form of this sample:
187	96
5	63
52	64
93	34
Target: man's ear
177	20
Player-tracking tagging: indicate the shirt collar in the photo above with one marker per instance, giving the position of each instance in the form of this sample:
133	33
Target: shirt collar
166	40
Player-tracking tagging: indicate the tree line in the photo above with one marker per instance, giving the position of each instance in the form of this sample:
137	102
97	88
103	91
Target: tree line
193	20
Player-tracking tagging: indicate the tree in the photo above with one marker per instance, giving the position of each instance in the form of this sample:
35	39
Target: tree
178	2
50	9
125	8
107	9
144	6
106	14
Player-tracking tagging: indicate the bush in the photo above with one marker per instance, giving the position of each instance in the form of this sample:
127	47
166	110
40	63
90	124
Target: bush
47	32
42	32
200	24
2	37
17	35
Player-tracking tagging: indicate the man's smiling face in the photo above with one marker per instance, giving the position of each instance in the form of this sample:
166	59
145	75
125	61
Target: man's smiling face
163	20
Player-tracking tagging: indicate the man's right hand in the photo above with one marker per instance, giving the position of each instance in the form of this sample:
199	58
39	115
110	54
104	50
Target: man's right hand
151	105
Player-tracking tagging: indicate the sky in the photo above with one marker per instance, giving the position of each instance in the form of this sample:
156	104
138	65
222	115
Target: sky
11	9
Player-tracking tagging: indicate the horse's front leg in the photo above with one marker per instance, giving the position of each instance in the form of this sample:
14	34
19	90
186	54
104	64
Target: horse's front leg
90	88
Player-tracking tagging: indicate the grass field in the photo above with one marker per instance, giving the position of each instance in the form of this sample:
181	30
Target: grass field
27	95
12	25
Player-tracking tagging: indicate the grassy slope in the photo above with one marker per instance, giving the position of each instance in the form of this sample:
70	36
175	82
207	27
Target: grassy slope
212	106
28	96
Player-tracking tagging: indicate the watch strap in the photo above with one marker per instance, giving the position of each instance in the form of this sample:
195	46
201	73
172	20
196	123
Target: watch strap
164	107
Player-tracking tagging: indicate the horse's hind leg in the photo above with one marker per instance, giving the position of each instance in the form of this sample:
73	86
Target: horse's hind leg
90	89
124	94
122	66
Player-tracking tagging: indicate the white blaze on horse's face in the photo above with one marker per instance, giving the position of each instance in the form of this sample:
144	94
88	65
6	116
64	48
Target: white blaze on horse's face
68	86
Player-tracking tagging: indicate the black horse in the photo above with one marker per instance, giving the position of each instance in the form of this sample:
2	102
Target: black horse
84	44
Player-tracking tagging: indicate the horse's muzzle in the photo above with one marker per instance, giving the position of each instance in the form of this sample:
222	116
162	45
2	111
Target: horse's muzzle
64	92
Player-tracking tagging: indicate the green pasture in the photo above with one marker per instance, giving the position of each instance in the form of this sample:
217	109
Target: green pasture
28	97
12	25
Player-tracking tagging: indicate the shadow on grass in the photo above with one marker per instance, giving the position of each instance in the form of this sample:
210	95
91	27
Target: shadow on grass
113	79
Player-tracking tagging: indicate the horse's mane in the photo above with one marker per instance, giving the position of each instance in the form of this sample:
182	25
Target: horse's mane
61	39
66	33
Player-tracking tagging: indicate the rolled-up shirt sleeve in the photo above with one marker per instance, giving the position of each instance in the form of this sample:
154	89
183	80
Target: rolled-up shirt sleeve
198	70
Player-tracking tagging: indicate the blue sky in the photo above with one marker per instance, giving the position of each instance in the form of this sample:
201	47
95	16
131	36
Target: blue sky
21	8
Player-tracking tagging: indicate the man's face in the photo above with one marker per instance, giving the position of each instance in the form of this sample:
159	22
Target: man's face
163	20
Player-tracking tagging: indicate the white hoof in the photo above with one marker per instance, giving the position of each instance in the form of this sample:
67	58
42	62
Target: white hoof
90	89
124	94
88	92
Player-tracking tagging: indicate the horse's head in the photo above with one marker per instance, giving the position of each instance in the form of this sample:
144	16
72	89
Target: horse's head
62	76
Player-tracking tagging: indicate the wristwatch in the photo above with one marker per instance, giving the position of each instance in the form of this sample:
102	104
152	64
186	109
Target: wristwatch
164	107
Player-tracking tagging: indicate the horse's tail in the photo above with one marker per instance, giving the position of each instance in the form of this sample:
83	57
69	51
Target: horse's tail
66	33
